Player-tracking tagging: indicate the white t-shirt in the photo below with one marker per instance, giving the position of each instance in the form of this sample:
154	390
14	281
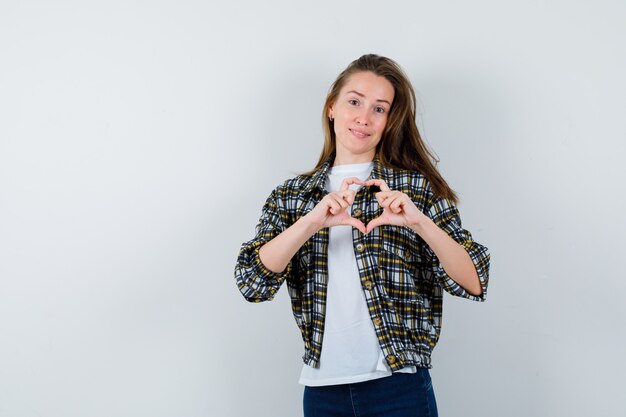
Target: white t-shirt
350	349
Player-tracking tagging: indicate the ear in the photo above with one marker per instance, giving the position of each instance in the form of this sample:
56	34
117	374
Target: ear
330	109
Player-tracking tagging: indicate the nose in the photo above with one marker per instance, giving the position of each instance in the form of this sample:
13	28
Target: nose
362	117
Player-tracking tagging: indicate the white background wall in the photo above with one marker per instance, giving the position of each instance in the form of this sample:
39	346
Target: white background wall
139	140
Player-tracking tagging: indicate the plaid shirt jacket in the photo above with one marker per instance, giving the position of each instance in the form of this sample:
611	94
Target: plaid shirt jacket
401	277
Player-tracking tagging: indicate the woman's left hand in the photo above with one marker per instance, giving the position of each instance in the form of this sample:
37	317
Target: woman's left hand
398	209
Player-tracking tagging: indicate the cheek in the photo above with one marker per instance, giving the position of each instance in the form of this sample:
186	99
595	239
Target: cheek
381	124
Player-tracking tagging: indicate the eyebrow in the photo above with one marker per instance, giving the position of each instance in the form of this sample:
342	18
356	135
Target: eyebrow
361	95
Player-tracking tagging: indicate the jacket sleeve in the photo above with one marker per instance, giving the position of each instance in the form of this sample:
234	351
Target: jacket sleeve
254	280
446	215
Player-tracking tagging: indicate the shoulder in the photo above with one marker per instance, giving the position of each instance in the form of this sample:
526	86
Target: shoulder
293	187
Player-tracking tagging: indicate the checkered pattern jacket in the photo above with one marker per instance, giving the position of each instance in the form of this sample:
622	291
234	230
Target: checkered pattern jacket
401	277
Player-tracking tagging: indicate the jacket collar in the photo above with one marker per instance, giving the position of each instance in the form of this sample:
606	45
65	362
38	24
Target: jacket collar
318	179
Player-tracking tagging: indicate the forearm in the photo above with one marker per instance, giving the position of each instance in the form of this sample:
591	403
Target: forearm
453	257
277	253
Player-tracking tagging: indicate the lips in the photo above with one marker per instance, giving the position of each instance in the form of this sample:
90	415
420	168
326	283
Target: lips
359	133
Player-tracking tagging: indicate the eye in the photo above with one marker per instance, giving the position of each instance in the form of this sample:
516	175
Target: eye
354	102
380	109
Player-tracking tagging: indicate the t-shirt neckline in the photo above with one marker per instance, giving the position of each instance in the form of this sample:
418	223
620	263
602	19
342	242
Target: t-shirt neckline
350	167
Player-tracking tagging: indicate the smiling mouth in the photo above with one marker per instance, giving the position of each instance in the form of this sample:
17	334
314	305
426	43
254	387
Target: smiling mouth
359	134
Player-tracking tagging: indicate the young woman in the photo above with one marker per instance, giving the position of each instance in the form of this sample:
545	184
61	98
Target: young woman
367	242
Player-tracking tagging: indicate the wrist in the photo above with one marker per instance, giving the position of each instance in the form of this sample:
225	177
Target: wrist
421	224
308	224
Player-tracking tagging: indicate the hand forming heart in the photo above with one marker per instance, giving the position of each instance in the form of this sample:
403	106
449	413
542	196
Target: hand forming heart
398	209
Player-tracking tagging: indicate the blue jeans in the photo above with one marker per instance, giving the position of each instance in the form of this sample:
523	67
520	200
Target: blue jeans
398	395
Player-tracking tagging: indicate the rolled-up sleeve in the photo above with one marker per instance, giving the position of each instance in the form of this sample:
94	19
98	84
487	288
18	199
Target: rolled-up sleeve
254	280
445	214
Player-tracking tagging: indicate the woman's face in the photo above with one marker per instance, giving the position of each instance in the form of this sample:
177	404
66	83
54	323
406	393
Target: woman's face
360	114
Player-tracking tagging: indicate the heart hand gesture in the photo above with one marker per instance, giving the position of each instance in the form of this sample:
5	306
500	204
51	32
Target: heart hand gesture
331	210
398	209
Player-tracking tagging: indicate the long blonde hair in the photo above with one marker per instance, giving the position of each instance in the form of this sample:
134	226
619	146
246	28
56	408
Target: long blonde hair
401	145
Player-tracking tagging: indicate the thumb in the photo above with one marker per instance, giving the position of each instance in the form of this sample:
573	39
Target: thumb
358	224
374	223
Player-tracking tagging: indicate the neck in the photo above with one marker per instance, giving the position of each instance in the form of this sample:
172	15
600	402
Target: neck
353	159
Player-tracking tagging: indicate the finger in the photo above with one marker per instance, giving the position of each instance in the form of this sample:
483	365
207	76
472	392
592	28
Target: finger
380	183
358	224
383	196
348	195
340	200
342	203
387	197
349	181
374	223
395	204
332	204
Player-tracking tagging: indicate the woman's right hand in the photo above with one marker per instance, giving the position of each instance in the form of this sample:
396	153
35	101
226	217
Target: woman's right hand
331	210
